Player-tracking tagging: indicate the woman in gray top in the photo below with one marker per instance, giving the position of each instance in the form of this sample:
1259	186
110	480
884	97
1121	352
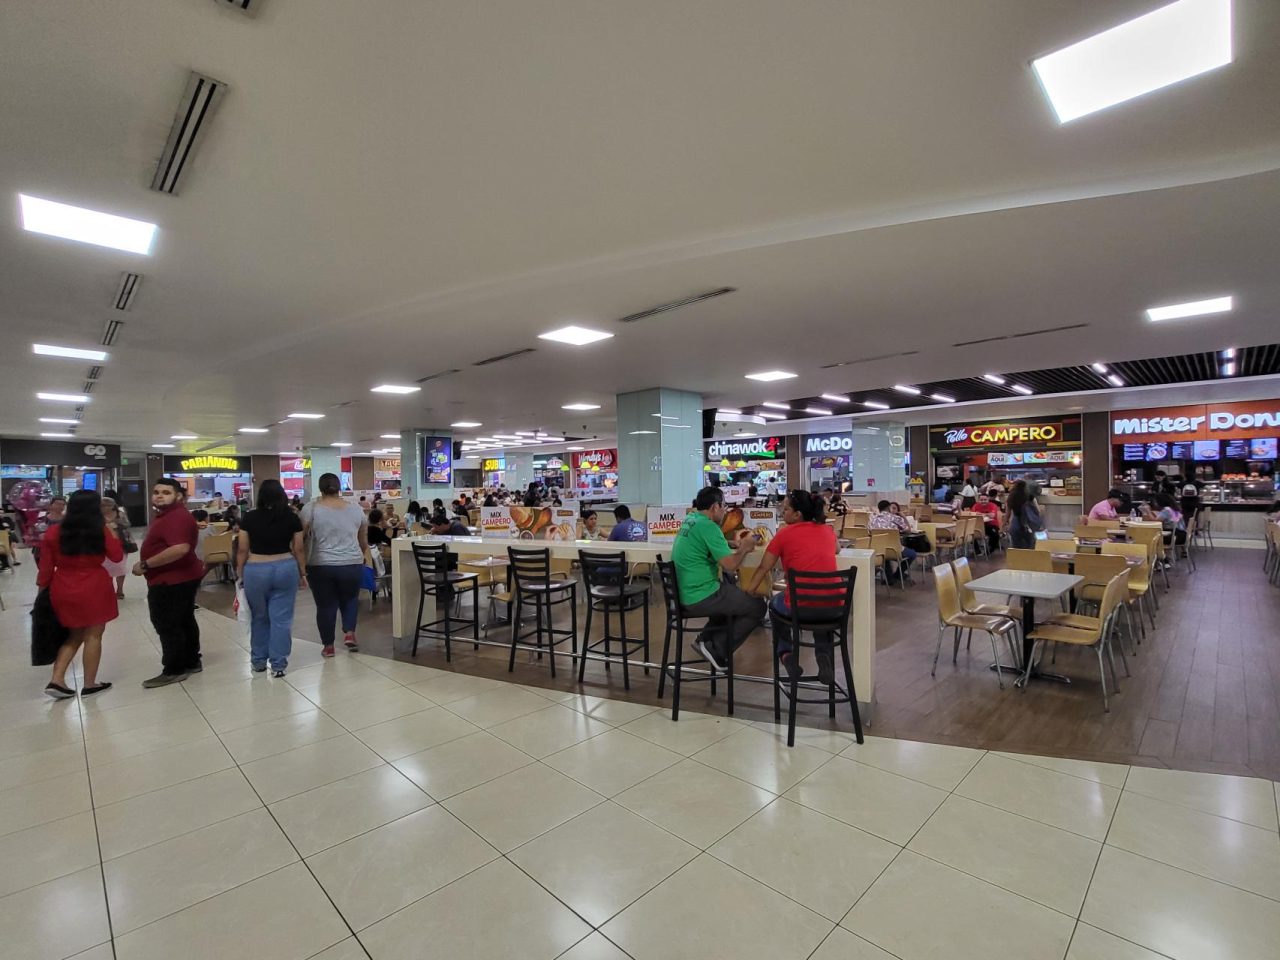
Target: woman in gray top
336	533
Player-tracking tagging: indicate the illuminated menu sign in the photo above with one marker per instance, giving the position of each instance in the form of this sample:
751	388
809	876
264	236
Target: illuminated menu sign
207	464
1010	433
596	459
822	444
1208	421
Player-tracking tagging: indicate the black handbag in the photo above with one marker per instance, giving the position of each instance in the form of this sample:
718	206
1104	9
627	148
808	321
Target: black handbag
47	632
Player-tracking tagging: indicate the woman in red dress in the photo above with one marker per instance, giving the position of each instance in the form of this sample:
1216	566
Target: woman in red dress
80	589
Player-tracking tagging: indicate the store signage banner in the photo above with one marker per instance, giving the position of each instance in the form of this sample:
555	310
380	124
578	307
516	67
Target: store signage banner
664	522
59	453
1009	433
207	464
493	465
295	464
825	444
589	459
756	520
757	448
386	468
1209	421
496	522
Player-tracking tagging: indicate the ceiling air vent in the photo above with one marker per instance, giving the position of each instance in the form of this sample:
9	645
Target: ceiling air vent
128	290
88	386
95	373
445	373
111	331
194	110
676	304
251	7
502	356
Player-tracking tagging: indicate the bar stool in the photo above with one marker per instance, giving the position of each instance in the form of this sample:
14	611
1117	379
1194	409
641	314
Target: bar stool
804	587
676	617
604	576
438	581
532	583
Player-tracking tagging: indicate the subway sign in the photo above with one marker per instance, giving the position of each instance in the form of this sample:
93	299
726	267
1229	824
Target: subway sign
1208	421
1011	433
758	448
822	444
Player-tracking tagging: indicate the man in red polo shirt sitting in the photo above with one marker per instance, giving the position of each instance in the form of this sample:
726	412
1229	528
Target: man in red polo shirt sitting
991	520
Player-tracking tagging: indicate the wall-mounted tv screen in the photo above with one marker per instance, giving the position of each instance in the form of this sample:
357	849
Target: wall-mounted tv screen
1183	451
437	460
1134	453
1237	450
1263	449
1207	450
1157	452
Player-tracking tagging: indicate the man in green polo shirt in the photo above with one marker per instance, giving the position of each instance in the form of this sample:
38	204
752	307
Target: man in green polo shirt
700	555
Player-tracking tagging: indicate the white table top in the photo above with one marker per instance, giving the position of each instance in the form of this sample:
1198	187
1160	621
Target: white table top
561	549
1026	583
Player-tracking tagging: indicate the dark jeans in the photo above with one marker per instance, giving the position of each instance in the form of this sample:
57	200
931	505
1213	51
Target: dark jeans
781	616
335	588
173	614
733	614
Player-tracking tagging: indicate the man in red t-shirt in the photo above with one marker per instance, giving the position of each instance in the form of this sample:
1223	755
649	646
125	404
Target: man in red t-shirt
991	519
167	558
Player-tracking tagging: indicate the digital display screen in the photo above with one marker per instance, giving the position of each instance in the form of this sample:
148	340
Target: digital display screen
1263	449
1135	452
1237	450
1207	450
437	460
1183	451
1157	452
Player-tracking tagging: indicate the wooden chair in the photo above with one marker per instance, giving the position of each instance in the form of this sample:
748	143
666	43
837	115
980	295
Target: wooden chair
1081	631
217	553
1204	525
888	547
951	614
1088	531
969	599
1036	560
1140	591
1152	537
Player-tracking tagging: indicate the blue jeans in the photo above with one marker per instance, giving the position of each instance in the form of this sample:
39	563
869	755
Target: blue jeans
271	589
781	611
335	588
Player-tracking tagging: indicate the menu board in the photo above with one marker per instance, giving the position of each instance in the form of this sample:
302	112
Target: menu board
1237	450
1157	452
736	492
1181	451
1134	452
1263	449
664	522
437	459
1207	450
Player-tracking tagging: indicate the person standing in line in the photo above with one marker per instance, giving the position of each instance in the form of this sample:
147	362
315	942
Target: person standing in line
271	568
338	532
1022	517
71	566
118	524
168	560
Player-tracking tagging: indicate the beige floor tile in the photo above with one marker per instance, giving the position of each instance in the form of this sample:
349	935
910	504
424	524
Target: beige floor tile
453	686
496	912
695	802
1058	799
285	703
46	852
1112	774
1215	847
366	710
832	741
612	762
271	737
804	855
340	810
493	707
1246	799
1026	857
555	696
102	951
172	811
35	803
402	736
113	748
43	765
236	694
21	741
521	805
874	800
284	915
594	947
308	767
686	736
164	878
936	764
549	730
614	712
759	758
55	919
400	671
673	921
1090	943
165	709
118	781
369	686
1177	913
377	873
603	860
461	764
919	910
843	945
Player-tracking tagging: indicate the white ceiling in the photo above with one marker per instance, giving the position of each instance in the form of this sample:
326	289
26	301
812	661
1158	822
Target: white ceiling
396	188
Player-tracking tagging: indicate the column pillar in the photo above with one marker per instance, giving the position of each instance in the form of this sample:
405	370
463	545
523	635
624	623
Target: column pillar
659	446
413	468
879	462
323	460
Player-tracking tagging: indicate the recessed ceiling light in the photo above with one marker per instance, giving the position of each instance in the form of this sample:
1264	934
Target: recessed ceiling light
306	416
51	435
87	226
729	410
942	398
580	406
394	388
1100	368
340	444
1229	368
768	376
253	430
817	411
392	436
59	420
776	406
577	336
903	388
1115	380
835	397
637	433
184	436
1196	308
64	397
461	425
1229	353
1019	388
575	448
163	446
45	350
473	456
875	404
770	416
1177	41
992	378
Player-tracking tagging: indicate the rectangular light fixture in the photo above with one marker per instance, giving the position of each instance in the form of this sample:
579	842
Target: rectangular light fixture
638	433
817	411
875	404
46	350
768	376
64	397
62	420
577	336
776	406
86	226
184	436
392	436
461	425
992	378
1175	42
1115	380
306	416
835	397
1229	353
394	388
575	448
52	435
162	446
942	398
903	388
1100	368
339	444
580	406
1196	308
733	410
771	416
1229	368
1019	388
253	430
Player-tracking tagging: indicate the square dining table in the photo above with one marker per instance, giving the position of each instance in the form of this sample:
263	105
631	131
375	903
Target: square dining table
1030	586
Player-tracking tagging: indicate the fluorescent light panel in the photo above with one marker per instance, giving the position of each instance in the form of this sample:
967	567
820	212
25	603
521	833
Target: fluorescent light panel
162	446
729	410
776	406
577	336
771	416
580	406
835	397
64	397
75	353
817	411
339	444
1100	368
86	226
392	436
306	416
461	425
993	378
875	404
1229	353
1195	308
1168	45
253	430
63	420
51	435
1019	388
768	376
942	398
184	436
393	388
1229	368
903	388
1114	380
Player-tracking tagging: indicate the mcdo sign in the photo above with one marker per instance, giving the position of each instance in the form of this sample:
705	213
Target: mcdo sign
825	443
1200	422
761	448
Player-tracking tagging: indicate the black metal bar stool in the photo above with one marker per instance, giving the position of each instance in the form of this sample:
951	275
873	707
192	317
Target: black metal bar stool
441	583
676	617
818	602
604	575
532	583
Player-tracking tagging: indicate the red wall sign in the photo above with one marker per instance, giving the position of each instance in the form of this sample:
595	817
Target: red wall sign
1201	421
604	459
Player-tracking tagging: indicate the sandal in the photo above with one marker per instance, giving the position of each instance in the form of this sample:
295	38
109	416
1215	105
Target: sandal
58	691
96	688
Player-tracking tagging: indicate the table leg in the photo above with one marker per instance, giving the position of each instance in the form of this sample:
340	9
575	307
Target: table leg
1029	624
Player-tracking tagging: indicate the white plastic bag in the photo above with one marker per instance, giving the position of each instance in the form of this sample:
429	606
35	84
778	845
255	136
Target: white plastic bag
241	605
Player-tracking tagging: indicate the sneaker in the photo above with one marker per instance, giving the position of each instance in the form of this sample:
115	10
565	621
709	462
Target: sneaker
96	688
163	680
349	641
278	674
327	651
826	665
259	667
791	665
709	654
58	691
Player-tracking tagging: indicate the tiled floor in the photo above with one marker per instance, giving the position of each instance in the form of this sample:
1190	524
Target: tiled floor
367	807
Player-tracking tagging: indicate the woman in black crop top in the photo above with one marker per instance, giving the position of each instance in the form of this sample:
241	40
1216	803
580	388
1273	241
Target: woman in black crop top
271	569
